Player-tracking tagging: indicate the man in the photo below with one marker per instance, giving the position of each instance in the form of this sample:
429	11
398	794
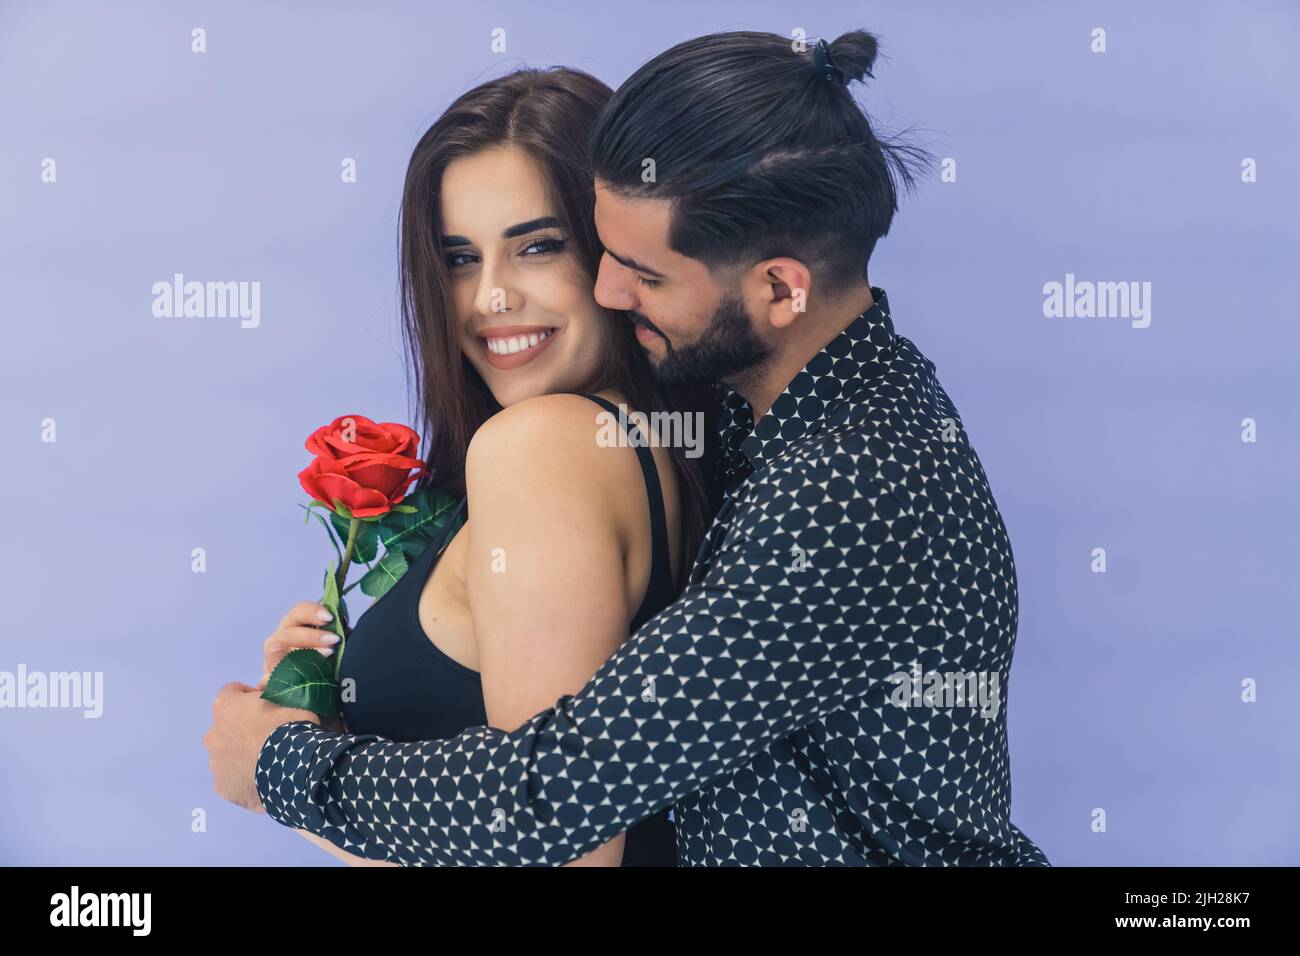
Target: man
795	704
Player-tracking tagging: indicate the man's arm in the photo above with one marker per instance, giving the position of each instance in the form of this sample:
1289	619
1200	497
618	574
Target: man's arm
763	645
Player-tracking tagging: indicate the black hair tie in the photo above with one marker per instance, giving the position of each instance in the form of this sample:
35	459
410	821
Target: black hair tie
821	58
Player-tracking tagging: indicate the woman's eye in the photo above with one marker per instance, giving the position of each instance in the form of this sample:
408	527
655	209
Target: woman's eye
545	246
648	283
456	259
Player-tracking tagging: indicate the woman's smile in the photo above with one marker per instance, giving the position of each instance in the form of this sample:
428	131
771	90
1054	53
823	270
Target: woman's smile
508	347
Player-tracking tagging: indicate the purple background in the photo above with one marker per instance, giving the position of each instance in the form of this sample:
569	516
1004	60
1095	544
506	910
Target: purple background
183	433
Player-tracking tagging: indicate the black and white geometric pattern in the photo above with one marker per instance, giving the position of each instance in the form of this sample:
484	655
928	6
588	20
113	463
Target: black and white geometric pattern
858	538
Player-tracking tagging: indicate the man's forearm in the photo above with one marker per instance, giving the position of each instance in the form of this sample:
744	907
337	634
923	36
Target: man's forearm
713	680
364	794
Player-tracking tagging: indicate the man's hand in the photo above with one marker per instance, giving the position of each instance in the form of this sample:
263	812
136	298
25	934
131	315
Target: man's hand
241	722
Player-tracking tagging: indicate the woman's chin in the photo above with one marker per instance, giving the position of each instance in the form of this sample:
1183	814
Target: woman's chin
514	392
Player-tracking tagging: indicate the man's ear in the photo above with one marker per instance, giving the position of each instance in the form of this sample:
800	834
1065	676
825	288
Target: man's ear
781	286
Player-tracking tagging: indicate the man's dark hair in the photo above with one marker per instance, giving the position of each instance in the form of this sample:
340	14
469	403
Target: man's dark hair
763	150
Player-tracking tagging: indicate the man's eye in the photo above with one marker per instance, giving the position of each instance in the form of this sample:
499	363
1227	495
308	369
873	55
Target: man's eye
547	245
648	283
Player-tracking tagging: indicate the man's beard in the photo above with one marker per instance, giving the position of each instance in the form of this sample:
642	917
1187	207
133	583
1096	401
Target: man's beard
724	351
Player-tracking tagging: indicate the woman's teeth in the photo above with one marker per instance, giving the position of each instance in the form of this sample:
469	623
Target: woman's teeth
517	343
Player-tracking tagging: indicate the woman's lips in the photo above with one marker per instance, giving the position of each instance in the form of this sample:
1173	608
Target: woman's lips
515	345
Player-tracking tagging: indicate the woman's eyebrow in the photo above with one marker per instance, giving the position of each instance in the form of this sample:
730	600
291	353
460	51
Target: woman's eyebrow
519	229
542	222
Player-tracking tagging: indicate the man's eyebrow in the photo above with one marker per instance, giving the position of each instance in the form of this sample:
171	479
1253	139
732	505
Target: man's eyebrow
631	263
518	229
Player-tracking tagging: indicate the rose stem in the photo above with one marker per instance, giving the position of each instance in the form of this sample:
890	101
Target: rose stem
339	580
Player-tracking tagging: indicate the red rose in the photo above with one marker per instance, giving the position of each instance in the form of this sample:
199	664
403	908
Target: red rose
370	473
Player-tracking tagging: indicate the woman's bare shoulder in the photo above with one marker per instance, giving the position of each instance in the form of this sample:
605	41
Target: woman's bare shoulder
561	448
559	437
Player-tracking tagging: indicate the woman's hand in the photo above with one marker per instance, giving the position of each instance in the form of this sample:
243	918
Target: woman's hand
301	627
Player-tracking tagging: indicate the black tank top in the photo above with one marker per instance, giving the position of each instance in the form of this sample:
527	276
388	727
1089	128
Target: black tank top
407	689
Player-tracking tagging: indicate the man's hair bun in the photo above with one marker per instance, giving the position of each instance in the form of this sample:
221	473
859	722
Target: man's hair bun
853	54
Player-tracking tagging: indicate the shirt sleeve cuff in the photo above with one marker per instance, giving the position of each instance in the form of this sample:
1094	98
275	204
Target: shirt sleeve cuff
285	781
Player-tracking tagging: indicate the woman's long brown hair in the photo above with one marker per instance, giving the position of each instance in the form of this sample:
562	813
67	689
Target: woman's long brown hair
548	114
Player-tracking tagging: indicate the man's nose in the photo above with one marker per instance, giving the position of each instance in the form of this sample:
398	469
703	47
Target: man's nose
612	289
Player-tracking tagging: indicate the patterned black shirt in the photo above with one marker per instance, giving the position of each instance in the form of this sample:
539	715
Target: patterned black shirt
797	703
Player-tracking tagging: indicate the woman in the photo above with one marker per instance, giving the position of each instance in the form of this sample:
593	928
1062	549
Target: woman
574	541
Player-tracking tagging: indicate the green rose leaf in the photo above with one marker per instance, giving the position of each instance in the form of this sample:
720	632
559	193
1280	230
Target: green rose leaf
417	499
367	537
384	575
304	679
413	547
410	531
331	603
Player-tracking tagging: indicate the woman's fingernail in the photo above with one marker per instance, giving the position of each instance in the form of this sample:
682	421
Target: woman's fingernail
324	616
265	678
325	651
329	639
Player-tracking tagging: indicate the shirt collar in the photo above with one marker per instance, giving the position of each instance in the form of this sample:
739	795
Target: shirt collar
818	396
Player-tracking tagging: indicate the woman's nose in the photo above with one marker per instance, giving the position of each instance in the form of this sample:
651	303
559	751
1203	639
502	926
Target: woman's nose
496	294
